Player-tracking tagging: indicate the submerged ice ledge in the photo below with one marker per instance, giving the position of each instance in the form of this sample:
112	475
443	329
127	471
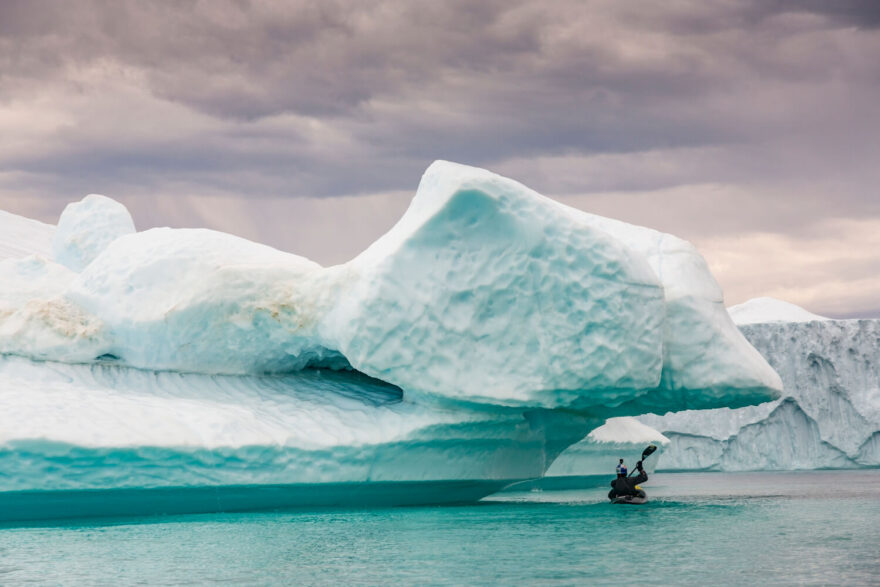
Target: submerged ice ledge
75	428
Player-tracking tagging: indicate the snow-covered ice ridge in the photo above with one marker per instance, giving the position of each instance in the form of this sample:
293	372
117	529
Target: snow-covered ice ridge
766	310
488	316
830	417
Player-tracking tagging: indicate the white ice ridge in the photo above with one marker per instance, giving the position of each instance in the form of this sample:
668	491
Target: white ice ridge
626	430
598	453
764	310
485	291
829	419
87	227
20	237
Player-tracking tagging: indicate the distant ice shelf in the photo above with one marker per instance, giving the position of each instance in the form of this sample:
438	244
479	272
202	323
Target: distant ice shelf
830	417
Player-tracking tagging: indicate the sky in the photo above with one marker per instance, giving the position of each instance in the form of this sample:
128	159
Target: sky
751	129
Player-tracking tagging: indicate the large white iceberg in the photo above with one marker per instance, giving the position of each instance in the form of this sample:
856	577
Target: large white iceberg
484	291
487	331
830	417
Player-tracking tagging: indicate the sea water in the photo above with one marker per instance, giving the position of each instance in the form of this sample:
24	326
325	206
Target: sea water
697	529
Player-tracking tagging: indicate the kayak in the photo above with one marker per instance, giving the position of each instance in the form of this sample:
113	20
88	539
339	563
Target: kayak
630	499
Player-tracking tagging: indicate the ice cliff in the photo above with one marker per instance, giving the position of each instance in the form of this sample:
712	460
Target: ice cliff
487	331
829	418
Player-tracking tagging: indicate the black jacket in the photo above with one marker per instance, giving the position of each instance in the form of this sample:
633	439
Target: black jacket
626	485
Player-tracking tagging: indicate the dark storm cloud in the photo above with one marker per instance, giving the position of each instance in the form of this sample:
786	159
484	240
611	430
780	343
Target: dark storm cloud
406	83
860	13
246	60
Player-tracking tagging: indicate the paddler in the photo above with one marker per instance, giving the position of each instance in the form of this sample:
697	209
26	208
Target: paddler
624	485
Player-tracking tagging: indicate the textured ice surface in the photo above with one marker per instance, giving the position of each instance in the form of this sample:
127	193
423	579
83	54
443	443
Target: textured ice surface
86	228
484	291
762	310
598	454
831	372
702	349
490	292
204	301
786	439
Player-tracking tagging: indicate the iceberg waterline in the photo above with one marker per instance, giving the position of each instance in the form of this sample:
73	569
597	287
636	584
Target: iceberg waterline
94	440
122	427
483	334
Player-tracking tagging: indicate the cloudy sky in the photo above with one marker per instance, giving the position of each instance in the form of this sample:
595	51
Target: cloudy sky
750	128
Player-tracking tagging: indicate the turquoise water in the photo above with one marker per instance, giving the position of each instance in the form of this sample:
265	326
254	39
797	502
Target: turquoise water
698	529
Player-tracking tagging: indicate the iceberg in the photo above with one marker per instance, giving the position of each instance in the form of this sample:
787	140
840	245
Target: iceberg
598	454
486	332
829	417
766	310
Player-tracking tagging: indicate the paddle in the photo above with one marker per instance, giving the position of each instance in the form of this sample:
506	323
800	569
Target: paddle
649	450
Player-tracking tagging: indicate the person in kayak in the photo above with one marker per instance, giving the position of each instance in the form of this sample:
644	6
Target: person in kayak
624	485
621	469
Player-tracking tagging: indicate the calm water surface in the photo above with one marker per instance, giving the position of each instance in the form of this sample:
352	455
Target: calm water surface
698	529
